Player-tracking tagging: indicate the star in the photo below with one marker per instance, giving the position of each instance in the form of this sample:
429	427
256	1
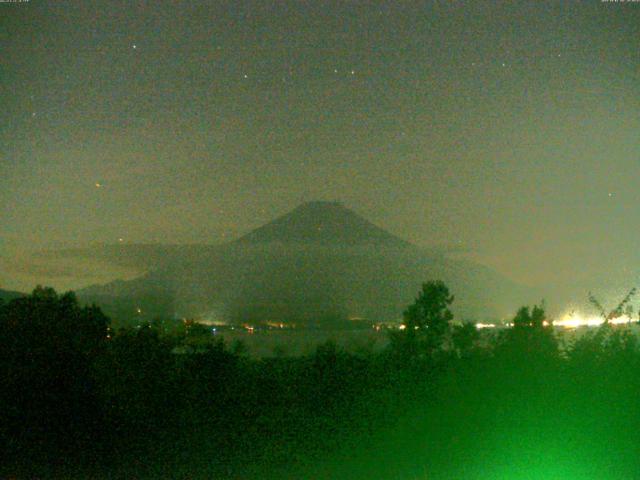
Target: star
134	46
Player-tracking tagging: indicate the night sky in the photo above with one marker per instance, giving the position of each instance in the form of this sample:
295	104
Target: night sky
505	132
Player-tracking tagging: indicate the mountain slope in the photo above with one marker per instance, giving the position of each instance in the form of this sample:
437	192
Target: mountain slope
320	262
327	223
8	295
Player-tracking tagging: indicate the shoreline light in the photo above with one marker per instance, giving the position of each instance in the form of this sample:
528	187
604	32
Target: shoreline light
575	320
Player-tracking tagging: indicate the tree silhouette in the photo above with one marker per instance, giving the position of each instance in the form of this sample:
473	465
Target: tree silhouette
623	308
464	338
531	337
48	344
526	318
426	321
46	322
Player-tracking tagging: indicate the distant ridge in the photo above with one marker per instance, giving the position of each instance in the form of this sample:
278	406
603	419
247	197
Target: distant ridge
8	295
323	222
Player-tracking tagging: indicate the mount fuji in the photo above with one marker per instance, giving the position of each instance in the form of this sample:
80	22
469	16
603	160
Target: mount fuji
318	264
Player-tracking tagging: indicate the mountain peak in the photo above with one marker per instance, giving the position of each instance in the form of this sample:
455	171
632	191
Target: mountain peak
320	205
323	222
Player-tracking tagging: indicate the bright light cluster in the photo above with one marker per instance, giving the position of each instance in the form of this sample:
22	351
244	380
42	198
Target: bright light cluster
575	320
485	325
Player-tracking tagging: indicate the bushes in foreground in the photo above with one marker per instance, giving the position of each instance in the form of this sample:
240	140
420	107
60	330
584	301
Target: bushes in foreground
81	401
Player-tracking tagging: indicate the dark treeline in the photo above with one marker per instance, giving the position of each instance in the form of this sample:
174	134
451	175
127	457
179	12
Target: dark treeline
441	402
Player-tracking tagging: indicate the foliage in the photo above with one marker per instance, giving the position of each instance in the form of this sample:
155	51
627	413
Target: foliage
465	338
78	404
624	307
531	341
427	321
48	344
